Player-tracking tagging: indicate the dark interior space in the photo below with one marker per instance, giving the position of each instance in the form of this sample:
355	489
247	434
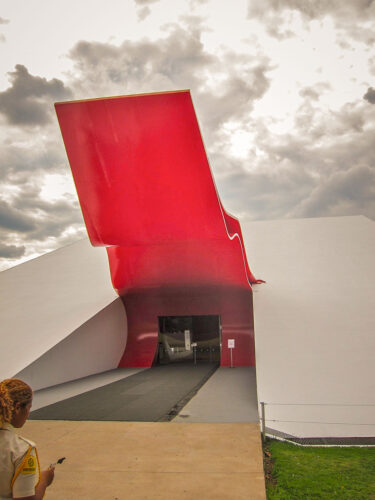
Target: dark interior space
191	339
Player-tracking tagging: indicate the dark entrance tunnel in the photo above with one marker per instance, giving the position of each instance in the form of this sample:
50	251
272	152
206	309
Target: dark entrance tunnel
192	339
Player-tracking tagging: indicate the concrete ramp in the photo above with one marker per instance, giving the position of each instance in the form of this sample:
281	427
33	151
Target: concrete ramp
149	396
230	395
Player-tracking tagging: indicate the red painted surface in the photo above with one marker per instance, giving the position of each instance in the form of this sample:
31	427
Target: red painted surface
147	193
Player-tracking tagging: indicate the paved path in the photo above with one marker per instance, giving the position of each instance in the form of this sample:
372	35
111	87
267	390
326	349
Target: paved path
230	395
53	394
214	457
147	396
151	461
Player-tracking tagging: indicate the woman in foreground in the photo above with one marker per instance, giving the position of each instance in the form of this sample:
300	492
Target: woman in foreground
20	475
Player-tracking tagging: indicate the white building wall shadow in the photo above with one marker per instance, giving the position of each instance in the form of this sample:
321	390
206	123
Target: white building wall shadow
95	347
60	316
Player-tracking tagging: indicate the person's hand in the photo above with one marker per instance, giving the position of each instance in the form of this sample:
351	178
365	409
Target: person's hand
46	478
48	475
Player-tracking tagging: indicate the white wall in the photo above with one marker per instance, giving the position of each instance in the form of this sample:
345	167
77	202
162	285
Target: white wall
95	347
43	301
315	323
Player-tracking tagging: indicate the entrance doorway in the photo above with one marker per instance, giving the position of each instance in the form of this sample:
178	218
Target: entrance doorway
193	339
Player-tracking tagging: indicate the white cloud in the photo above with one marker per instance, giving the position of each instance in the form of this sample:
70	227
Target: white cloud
370	95
284	100
349	192
26	101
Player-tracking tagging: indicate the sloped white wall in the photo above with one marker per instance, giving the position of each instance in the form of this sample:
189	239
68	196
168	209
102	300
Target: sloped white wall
43	301
315	323
95	347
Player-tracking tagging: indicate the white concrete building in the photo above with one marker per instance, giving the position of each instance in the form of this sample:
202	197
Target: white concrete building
314	322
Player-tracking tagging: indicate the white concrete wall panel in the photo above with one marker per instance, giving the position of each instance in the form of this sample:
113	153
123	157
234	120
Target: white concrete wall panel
315	323
95	347
46	299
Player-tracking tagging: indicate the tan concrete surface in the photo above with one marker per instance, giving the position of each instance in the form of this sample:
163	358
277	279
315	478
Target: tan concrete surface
151	461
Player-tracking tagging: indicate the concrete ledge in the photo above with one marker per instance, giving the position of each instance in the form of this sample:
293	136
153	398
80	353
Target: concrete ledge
321	441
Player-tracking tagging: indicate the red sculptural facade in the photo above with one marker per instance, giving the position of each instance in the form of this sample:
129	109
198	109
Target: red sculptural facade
147	194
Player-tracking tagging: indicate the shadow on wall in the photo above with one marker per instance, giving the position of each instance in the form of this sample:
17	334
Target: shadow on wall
95	347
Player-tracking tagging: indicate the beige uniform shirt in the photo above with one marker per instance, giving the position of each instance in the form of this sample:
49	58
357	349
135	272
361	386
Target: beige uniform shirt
19	465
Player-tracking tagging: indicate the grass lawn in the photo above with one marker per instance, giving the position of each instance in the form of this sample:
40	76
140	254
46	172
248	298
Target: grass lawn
299	473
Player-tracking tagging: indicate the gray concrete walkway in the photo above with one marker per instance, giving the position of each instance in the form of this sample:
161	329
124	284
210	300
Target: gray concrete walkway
56	393
147	396
230	395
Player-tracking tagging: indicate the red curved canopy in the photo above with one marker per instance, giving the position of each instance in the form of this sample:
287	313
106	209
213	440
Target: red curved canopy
147	194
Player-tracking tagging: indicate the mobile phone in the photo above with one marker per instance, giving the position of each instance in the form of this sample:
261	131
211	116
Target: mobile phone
59	461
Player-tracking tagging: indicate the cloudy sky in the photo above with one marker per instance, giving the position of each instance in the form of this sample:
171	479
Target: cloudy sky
284	91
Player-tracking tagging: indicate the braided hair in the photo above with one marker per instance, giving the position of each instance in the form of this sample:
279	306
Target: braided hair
12	391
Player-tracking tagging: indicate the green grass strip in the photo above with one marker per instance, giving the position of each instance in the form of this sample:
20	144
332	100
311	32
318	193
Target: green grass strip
301	473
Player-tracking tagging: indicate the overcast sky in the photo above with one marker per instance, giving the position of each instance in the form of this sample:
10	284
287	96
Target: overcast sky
284	91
